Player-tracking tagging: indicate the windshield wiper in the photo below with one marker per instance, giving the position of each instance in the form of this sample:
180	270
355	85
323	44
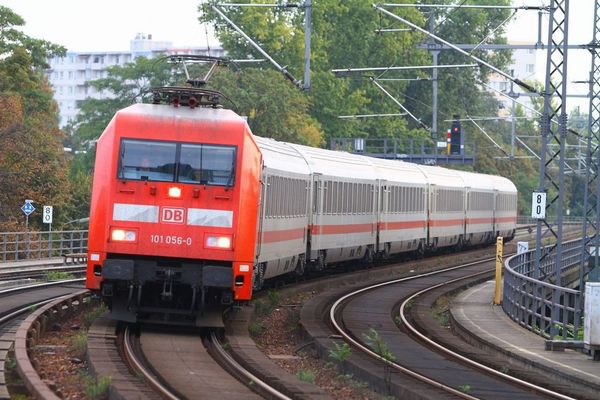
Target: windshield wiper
230	179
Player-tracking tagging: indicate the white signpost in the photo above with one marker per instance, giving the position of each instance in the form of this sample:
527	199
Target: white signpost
522	247
47	216
538	205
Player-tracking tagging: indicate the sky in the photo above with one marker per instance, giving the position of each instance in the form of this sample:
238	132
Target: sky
109	25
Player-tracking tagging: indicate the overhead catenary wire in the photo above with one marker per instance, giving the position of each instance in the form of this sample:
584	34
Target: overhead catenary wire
421	123
458	49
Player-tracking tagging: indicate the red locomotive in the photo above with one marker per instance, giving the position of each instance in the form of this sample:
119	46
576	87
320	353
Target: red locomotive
173	211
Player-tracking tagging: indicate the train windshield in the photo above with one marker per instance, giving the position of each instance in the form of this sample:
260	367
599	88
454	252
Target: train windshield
177	162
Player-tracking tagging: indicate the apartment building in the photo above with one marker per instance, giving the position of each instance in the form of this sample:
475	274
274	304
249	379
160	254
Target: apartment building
523	67
69	75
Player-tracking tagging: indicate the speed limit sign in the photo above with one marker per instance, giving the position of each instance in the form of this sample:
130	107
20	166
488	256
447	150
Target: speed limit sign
47	215
538	205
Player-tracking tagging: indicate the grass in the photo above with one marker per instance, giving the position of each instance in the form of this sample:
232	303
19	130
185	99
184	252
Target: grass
79	345
96	388
255	328
355	383
306	376
266	305
91	315
465	388
341	352
378	345
293	321
440	311
10	363
52	276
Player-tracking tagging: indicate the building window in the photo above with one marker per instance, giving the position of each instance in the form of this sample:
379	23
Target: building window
529	68
503	86
70	74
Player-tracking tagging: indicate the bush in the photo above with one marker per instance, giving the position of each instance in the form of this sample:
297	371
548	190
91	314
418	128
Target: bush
90	316
79	345
306	376
58	276
340	353
96	388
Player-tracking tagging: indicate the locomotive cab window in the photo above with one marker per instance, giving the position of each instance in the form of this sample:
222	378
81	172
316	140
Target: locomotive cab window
206	164
177	162
149	161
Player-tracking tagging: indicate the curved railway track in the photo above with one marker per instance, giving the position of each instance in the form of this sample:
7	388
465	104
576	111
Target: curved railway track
180	365
16	304
415	354
163	368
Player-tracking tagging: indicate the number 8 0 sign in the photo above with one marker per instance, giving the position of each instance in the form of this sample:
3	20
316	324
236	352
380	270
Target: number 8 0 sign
538	205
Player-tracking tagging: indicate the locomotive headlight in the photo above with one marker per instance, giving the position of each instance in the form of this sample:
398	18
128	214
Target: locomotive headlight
122	235
175	192
218	242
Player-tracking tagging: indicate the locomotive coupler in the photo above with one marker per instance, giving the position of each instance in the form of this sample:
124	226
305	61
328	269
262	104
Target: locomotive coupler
167	290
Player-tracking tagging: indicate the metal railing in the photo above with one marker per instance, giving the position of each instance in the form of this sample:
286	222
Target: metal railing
530	299
418	150
527	220
17	246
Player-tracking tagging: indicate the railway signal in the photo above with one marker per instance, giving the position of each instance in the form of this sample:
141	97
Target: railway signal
455	136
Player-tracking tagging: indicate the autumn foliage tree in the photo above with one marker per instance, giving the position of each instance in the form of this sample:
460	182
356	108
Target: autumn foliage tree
32	161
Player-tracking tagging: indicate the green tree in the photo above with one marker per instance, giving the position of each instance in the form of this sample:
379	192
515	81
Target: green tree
32	161
274	108
12	39
344	34
124	85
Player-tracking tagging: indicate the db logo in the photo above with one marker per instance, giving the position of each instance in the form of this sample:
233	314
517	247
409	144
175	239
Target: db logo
172	215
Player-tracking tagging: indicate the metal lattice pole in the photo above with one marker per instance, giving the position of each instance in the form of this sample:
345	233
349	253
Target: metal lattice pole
591	216
552	158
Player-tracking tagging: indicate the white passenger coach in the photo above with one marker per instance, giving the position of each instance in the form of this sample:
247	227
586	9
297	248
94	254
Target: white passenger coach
320	207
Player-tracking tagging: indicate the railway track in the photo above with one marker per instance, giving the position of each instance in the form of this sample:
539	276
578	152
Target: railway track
411	352
162	366
15	305
180	365
39	270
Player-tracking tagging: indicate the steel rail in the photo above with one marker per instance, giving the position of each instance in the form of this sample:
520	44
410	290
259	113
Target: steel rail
414	374
460	357
367	350
138	368
271	391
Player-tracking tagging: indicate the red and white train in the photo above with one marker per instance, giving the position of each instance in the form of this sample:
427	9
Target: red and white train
190	211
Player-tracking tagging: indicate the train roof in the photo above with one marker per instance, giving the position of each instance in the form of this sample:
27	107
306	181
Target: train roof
305	160
399	171
169	114
281	156
337	163
476	181
503	184
442	176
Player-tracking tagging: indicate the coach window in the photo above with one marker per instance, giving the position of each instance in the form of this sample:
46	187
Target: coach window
147	161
